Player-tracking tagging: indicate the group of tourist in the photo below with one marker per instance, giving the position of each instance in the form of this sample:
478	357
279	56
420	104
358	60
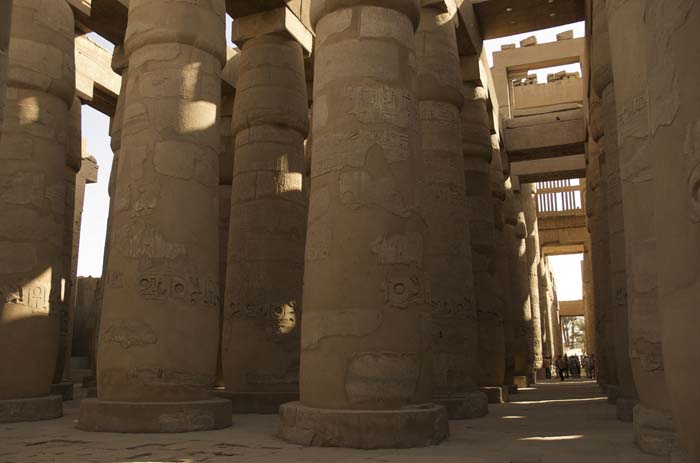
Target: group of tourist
571	366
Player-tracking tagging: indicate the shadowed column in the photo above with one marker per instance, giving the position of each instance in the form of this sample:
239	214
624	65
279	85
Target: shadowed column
33	155
442	201
366	375
262	310
5	23
159	322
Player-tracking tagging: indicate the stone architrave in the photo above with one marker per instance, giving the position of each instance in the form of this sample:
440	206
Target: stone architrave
602	84
499	268
366	364
673	64
443	203
478	151
528	202
653	423
33	155
5	16
520	290
265	268
159	322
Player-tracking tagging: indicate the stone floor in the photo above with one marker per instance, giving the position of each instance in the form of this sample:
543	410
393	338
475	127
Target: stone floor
554	422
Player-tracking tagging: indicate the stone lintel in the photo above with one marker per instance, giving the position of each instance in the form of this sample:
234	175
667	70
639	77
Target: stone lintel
281	21
89	168
96	83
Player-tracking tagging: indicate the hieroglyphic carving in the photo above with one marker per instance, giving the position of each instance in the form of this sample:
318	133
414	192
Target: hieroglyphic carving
186	289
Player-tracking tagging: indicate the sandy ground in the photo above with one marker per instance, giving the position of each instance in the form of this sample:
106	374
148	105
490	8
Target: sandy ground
567	422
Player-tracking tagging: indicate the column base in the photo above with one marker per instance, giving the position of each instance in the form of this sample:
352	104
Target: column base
260	403
418	426
494	394
613	392
154	417
654	432
65	390
521	382
464	406
33	409
625	407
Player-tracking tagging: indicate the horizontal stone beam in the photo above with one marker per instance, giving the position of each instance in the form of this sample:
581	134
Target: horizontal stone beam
544	170
571	308
547	135
562	250
278	21
96	83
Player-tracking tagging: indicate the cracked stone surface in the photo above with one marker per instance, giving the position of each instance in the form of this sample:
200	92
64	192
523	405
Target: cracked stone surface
553	422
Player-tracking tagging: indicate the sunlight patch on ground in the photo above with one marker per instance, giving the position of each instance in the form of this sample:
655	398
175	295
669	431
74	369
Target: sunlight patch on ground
513	417
553	438
554	401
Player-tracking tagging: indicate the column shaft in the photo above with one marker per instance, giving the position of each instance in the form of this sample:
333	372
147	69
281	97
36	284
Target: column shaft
5	23
159	321
653	424
366	334
262	312
442	202
33	153
673	64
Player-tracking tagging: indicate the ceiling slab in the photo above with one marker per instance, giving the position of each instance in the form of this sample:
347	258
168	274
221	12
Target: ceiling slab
502	18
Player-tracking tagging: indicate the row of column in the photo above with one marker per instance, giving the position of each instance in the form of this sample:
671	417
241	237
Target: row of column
641	193
399	256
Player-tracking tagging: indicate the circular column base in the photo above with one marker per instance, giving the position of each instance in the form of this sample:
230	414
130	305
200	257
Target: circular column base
418	426
465	406
624	408
613	393
654	431
34	409
521	382
154	417
494	394
260	403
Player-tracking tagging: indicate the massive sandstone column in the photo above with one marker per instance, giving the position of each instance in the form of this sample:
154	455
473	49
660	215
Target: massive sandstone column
33	155
158	332
62	383
673	64
442	202
597	222
653	423
366	374
5	16
528	201
478	151
499	268
588	299
545	291
262	311
523	357
602	84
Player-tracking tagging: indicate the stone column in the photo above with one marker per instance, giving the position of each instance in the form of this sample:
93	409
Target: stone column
478	151
262	311
499	268
62	383
673	65
556	320
545	292
597	222
602	84
5	16
588	299
366	374
158	331
33	155
443	203
653	423
520	289
528	201
225	187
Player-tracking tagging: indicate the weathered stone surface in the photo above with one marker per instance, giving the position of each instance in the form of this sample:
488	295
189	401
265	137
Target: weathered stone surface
366	241
262	309
159	322
629	64
33	154
33	409
674	141
154	417
5	16
411	426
